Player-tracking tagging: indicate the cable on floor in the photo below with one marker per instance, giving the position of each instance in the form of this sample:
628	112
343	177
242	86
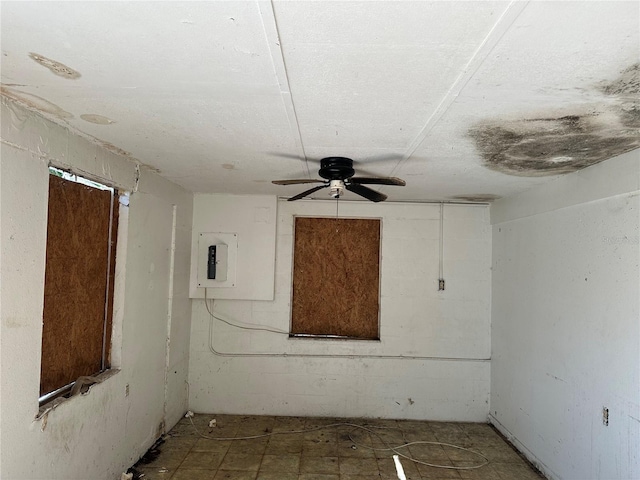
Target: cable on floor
368	429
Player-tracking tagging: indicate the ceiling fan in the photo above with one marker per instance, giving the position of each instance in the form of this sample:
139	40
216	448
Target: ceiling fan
339	174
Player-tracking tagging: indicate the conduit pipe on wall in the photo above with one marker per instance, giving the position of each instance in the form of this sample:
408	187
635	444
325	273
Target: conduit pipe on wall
441	251
322	355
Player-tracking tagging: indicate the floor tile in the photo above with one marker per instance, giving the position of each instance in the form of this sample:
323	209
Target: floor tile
324	435
202	460
184	429
336	453
234	475
516	472
326	465
358	466
467	455
429	472
360	477
349	449
186	474
381	451
287	424
318	476
317	449
155	473
419	436
178	442
283	445
454	438
486	440
206	445
276	476
280	463
503	454
241	461
255	446
486	472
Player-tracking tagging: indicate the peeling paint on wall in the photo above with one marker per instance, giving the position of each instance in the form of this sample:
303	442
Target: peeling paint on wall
114	149
56	68
560	144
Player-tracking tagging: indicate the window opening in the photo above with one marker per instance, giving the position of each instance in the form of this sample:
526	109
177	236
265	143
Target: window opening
79	279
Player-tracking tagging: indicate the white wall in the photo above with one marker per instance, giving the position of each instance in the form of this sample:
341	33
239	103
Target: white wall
450	329
566	324
100	434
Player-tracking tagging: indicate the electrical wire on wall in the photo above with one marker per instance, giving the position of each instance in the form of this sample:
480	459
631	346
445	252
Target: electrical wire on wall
264	328
248	326
441	251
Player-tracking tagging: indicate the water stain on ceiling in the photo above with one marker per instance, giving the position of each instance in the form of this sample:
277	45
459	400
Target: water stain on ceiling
56	68
97	119
562	144
34	102
476	197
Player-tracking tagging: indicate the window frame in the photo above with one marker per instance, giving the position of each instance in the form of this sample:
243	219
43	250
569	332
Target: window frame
312	336
60	394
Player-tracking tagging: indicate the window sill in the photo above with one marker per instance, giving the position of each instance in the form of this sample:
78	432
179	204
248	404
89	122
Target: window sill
63	397
309	336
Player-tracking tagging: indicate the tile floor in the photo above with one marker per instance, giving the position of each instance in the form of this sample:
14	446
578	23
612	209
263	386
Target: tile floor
329	453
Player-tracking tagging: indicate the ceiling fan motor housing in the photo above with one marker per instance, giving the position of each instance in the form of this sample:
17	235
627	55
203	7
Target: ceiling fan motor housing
336	168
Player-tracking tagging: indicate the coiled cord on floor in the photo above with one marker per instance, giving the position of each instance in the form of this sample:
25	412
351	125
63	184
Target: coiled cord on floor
368	429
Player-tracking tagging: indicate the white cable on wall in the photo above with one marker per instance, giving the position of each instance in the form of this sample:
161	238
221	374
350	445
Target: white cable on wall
441	250
263	328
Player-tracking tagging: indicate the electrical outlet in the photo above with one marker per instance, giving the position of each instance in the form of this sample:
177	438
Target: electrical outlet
126	390
605	416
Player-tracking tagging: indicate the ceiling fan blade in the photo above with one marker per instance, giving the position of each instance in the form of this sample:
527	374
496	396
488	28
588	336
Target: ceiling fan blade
307	192
366	192
378	181
295	182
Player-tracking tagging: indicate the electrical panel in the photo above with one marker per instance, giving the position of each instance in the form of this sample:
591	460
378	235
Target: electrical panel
244	225
216	260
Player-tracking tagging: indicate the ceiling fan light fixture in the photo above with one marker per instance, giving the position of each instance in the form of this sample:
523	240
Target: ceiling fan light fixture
338	174
336	188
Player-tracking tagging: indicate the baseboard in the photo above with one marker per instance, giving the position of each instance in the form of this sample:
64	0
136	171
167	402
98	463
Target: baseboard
529	455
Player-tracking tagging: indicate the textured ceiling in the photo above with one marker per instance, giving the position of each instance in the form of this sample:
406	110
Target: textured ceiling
463	100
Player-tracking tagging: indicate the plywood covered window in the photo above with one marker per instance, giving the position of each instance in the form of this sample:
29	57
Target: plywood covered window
336	280
78	299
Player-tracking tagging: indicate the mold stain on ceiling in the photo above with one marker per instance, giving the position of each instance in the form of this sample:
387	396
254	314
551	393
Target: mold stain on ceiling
583	136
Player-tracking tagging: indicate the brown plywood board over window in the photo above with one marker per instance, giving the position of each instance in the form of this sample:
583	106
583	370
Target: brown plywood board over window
336	277
76	278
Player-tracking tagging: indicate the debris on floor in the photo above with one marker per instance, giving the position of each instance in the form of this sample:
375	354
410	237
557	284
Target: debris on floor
152	453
